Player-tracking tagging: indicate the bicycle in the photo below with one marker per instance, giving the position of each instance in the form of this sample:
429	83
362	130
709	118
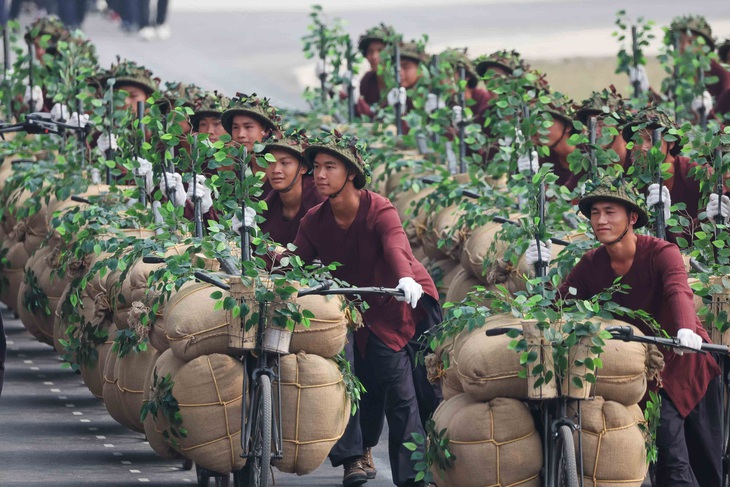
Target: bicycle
562	467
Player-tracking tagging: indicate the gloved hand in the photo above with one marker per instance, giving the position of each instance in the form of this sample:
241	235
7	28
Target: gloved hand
653	198
95	175
104	143
249	218
78	121
713	208
321	69
37	93
397	95
412	291
528	162
703	100
433	103
145	171
688	338
546	249
457	116
175	182
59	112
505	141
639	74
201	191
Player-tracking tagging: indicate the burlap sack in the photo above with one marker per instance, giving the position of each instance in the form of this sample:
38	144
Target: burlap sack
414	221
36	229
614	452
315	411
327	331
441	369
59	324
379	180
462	283
93	374
403	174
208	392
477	247
165	364
13	271
443	228
495	443
486	368
125	385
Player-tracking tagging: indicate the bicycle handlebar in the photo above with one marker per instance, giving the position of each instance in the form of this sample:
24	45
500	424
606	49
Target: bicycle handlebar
202	276
153	259
324	290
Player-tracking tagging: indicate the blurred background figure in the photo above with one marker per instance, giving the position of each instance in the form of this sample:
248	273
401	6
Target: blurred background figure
72	12
159	29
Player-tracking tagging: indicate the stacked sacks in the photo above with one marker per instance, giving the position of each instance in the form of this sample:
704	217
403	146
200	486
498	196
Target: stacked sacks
93	358
614	452
495	443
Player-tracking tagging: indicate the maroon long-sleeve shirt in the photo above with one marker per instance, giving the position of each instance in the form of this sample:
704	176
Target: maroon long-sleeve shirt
285	231
659	286
373	251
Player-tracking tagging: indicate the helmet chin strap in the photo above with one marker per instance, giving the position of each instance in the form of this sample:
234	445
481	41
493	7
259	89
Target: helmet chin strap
335	195
293	181
621	237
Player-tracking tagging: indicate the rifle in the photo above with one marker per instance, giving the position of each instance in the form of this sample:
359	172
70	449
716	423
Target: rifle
168	168
398	108
138	147
110	114
702	112
6	62
661	231
323	58
435	89
462	124
675	72
635	60
197	208
350	88
592	122
719	191
245	236
30	73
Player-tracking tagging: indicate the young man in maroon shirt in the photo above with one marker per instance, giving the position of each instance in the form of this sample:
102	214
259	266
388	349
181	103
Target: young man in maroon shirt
362	231
370	44
688	439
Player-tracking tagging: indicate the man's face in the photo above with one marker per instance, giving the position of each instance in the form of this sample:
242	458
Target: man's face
372	54
135	94
247	131
556	131
408	73
330	174
609	220
212	126
282	172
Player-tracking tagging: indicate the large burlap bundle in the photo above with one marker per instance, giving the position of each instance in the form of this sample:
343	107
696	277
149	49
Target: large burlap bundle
495	443
404	173
443	273
462	283
443	227
59	324
125	385
486	368
441	369
13	271
154	426
379	180
9	219
93	372
36	229
315	411
327	331
614	452
208	393
478	246
415	222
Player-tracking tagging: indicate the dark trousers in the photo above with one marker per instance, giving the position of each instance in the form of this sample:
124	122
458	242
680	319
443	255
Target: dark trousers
690	448
349	447
388	378
3	351
72	12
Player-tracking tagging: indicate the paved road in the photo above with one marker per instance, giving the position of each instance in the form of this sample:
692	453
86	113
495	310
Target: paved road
54	432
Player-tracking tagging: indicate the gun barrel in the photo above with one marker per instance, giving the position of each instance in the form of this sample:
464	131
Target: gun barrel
661	232
398	107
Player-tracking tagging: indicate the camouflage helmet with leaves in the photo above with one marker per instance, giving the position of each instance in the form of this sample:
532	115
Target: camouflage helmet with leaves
560	107
293	142
252	106
457	58
208	104
130	73
346	148
51	26
618	190
380	33
509	61
413	51
607	102
651	117
176	92
696	24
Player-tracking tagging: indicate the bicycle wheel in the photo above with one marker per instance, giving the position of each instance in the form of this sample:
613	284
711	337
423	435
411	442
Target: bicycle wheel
202	475
565	470
259	461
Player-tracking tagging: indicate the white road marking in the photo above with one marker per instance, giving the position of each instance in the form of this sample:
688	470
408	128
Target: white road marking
108	445
27	361
55	390
85	420
35	368
48	383
134	471
78	413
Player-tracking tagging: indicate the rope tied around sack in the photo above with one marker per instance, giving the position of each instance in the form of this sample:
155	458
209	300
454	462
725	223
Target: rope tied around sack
102	309
53	258
354	319
434	368
76	268
19	231
134	319
654	364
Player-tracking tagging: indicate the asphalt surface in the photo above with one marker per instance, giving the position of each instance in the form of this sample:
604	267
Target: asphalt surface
54	432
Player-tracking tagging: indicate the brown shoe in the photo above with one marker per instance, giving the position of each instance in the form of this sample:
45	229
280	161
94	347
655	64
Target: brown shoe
368	464
354	474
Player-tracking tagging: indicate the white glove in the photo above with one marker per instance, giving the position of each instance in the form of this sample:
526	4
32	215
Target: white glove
713	208
95	175
249	217
59	112
639	74
202	192
688	338
457	116
433	103
145	171
175	182
320	70
505	141
703	100
37	97
397	95
528	163
104	143
78	121
653	198
546	252
412	291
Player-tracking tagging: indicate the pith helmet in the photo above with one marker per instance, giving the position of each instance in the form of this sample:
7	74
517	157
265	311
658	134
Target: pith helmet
251	106
345	148
651	118
619	191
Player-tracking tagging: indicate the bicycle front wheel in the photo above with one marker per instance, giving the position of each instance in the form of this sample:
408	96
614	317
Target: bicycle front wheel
259	460
565	470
